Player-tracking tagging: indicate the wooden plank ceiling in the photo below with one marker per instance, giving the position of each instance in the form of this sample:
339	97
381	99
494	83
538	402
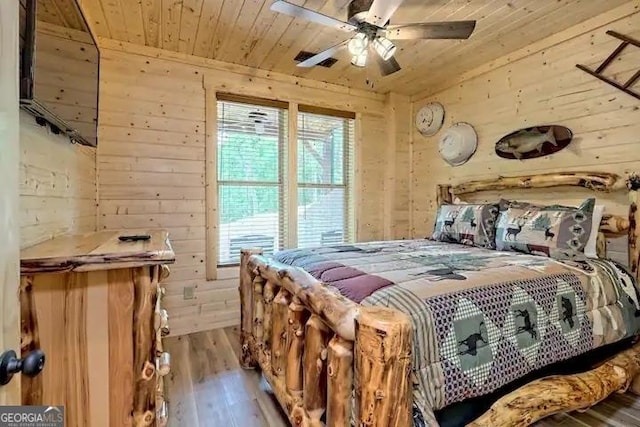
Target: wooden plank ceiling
247	32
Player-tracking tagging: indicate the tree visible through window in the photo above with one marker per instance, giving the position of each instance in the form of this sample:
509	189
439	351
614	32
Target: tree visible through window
253	180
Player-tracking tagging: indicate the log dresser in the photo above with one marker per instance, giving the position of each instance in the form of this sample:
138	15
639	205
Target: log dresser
92	304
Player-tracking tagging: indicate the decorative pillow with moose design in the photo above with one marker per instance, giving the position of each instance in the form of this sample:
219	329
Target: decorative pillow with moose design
559	232
472	225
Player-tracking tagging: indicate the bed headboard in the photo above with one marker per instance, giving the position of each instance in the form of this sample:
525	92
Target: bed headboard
611	225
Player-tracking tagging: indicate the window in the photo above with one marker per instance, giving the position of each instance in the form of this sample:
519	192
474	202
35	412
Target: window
252	140
257	189
324	179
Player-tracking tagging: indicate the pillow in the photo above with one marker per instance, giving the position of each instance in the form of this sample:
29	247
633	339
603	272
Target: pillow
472	225
590	249
556	231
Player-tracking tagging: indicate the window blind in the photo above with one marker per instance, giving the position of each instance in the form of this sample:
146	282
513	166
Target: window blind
252	146
325	179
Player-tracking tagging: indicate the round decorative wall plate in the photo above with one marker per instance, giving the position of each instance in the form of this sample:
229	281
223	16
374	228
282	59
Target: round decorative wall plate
429	119
458	144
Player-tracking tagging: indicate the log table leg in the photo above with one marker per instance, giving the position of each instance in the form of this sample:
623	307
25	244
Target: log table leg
383	358
29	341
165	272
144	294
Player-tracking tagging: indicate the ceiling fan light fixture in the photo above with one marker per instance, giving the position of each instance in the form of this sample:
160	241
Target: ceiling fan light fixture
359	60
385	48
358	44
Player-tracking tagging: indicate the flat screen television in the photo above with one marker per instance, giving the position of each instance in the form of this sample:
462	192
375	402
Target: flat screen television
59	68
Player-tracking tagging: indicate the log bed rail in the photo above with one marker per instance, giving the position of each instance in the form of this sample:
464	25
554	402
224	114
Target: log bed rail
330	361
301	333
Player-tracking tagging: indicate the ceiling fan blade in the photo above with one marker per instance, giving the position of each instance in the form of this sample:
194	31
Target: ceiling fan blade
431	30
389	66
381	11
325	54
310	15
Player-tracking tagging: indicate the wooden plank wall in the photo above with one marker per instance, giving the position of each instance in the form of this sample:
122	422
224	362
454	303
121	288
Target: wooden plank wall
151	160
66	76
397	158
57	184
540	85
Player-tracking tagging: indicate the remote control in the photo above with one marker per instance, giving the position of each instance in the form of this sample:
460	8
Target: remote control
135	238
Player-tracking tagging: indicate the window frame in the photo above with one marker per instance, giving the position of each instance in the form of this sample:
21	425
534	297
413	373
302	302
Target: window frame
348	170
280	183
213	94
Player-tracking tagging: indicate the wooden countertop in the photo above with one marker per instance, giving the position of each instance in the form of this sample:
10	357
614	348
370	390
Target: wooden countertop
97	251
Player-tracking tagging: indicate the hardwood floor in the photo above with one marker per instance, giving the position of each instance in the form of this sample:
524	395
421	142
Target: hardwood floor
208	388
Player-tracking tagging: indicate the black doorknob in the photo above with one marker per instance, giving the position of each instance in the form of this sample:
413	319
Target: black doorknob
30	366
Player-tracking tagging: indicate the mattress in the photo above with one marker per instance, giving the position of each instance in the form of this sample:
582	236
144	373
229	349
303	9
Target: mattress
481	318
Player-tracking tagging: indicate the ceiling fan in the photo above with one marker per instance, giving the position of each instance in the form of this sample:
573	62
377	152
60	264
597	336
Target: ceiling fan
369	20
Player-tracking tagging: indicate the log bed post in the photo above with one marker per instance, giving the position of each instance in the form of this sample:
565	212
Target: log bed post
314	395
297	319
258	309
444	195
634	246
340	382
383	383
247	360
280	332
268	293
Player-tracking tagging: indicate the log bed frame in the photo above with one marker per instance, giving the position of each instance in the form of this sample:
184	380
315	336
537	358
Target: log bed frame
322	353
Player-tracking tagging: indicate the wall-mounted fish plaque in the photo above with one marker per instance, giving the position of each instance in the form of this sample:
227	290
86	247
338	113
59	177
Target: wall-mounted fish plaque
533	142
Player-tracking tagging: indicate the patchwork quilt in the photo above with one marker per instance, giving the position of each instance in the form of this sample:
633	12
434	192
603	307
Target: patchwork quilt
481	318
